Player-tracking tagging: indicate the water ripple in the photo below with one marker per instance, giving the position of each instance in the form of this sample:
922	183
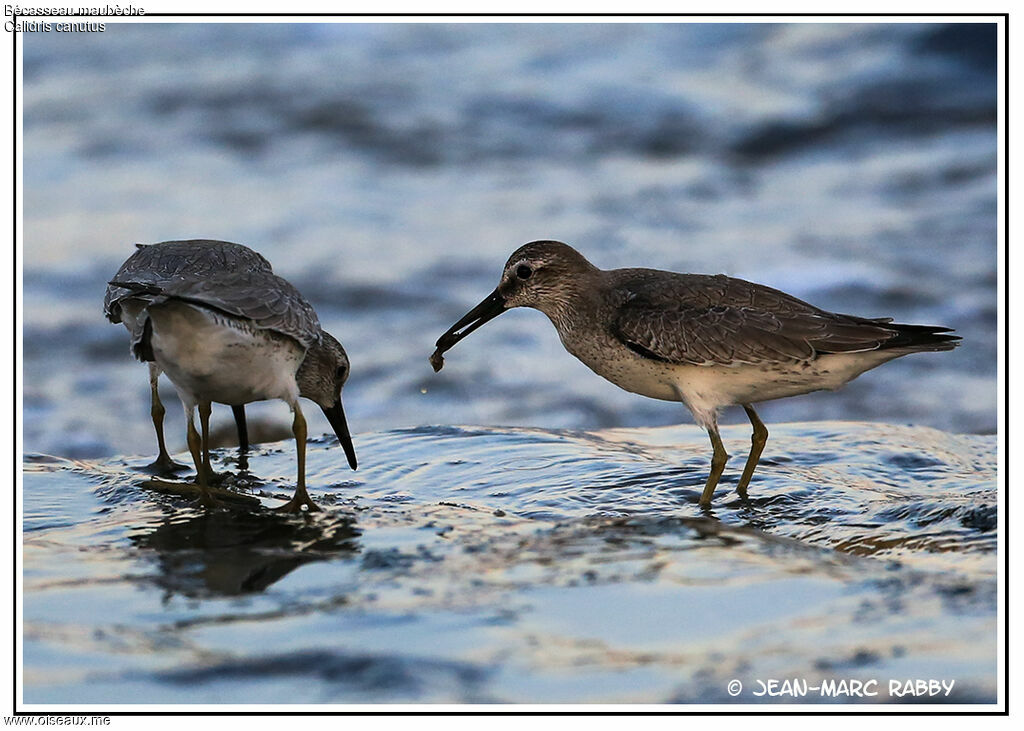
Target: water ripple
468	564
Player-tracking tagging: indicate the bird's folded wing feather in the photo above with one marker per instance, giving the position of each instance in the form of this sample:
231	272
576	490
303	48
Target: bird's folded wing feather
269	301
157	263
721	321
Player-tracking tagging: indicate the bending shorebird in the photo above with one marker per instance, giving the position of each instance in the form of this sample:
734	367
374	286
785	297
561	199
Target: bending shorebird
239	337
157	264
707	341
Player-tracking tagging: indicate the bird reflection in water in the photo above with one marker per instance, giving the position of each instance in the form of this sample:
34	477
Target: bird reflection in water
234	553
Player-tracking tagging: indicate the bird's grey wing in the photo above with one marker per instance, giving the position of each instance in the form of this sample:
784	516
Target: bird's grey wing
673	291
725	335
157	263
715	319
192	257
272	303
716	335
200	258
134	269
112	302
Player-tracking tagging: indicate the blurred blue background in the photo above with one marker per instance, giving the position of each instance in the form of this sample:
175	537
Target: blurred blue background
388	170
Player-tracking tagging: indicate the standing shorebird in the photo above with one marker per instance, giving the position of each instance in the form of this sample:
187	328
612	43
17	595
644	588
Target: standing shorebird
707	341
156	264
240	337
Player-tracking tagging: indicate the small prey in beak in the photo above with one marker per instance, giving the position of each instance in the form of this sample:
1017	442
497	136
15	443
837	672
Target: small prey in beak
490	308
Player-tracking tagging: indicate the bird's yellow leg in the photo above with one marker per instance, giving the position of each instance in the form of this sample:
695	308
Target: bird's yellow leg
195	446
163	462
301	497
204	421
157	412
757	442
718	460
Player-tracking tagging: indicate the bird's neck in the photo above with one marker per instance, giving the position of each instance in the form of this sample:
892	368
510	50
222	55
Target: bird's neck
575	309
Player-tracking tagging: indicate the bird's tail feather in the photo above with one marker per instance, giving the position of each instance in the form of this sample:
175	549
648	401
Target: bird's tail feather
921	338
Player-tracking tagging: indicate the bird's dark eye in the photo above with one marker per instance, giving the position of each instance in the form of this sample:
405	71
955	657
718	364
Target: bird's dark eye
341	371
523	271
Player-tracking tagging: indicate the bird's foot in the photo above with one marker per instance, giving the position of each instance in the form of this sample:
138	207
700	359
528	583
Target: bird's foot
217	478
295	505
164	466
208	501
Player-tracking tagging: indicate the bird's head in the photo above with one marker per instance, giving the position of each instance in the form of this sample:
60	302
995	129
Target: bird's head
320	377
544	275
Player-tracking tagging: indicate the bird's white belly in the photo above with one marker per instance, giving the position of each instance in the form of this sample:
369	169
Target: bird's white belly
635	374
707	388
212	357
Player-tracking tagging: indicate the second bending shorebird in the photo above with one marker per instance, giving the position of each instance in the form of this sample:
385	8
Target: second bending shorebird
240	337
158	263
707	341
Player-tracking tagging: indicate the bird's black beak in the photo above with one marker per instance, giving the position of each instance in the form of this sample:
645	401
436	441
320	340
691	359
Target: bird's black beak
336	416
490	308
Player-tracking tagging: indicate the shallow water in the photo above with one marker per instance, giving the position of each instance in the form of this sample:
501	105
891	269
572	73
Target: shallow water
520	565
